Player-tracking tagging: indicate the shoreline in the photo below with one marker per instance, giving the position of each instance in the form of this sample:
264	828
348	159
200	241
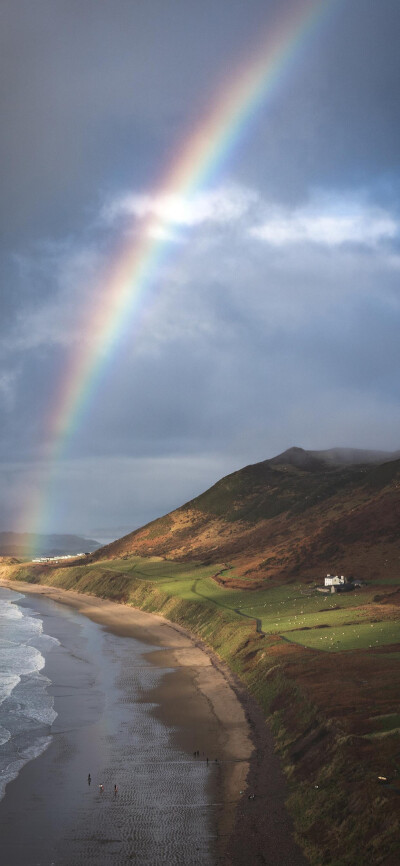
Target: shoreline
201	683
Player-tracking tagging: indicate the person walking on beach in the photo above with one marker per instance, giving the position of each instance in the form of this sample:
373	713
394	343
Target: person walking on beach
89	779
101	788
115	790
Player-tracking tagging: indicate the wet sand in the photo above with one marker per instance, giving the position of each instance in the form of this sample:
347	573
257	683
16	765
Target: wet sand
205	709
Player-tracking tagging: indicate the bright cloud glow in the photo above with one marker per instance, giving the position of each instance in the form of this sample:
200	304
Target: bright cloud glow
328	224
226	257
222	205
328	220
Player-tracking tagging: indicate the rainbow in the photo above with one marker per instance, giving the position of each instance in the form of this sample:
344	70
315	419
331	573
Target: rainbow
121	293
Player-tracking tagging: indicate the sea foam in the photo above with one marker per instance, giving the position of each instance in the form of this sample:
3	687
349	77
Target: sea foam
26	708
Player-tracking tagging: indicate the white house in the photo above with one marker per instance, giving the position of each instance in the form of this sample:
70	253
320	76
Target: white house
334	580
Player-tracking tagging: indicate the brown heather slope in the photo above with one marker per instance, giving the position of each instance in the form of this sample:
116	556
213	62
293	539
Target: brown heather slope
297	516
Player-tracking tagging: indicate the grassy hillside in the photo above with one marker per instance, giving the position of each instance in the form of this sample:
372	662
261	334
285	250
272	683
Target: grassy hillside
295	517
324	668
238	566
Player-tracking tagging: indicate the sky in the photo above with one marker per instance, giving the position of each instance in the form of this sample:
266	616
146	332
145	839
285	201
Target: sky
272	321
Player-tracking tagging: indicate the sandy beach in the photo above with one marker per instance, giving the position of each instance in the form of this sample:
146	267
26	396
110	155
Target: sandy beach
206	710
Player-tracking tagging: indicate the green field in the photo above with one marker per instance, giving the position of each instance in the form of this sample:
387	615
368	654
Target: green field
298	613
366	635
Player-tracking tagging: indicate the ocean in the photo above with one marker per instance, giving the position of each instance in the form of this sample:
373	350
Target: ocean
78	699
26	708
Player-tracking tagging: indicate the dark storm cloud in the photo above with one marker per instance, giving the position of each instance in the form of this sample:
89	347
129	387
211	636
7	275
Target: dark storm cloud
242	327
94	96
275	322
338	123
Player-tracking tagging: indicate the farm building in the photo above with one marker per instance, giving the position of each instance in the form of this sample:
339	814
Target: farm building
334	580
338	584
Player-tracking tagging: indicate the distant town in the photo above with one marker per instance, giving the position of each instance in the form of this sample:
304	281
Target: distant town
58	558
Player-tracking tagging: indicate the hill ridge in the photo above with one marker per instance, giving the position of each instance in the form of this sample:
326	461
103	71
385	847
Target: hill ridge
298	515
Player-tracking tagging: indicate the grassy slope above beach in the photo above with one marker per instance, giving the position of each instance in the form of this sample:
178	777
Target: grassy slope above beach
324	668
